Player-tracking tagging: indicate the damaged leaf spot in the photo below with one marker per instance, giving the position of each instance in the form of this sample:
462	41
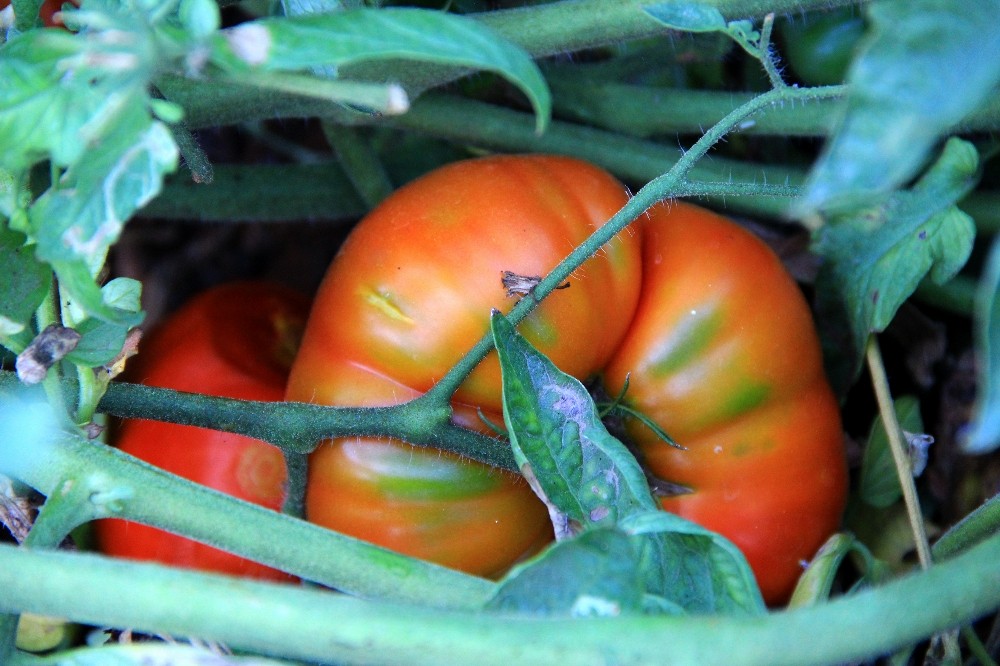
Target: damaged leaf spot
48	348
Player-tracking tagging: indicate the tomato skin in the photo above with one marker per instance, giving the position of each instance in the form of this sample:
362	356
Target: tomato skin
409	294
724	356
412	288
426	503
235	340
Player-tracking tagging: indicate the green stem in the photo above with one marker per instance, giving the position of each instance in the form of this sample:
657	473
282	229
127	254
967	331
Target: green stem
261	193
295	493
673	183
360	162
560	27
317	626
298	427
104	482
476	123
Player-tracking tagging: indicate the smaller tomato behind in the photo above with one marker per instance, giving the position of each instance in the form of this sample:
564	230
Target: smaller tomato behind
420	502
236	340
46	12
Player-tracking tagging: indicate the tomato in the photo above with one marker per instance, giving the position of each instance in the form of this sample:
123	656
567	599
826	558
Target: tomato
723	354
820	48
409	293
236	340
46	12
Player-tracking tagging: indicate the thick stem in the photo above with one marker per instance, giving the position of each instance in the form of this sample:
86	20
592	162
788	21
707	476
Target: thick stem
104	482
316	626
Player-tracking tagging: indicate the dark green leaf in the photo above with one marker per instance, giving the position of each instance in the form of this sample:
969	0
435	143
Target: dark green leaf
923	67
874	258
584	475
985	430
588	479
595	573
879	482
692	567
24	282
340	38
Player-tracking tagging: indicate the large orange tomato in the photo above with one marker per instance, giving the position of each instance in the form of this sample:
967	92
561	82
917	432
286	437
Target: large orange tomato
409	293
723	354
236	340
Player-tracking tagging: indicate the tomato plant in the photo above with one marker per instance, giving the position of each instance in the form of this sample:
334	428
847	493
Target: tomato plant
724	356
236	340
409	293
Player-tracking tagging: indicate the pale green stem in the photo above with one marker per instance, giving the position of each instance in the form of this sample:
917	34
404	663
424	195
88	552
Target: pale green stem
317	626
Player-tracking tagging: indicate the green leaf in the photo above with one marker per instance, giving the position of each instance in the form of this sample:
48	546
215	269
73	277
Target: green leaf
874	258
589	480
83	105
816	583
595	573
24	283
923	67
984	435
879	481
584	475
103	340
81	217
692	567
340	38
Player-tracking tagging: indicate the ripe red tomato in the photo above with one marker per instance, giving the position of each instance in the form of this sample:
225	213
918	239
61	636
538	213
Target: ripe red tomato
408	294
723	354
236	340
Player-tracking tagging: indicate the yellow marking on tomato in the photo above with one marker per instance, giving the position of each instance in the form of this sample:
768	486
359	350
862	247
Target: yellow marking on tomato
383	301
691	337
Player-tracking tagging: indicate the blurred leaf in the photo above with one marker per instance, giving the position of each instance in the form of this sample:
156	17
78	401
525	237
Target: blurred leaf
584	475
339	38
589	480
596	573
985	429
879	480
874	258
815	584
923	67
24	282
